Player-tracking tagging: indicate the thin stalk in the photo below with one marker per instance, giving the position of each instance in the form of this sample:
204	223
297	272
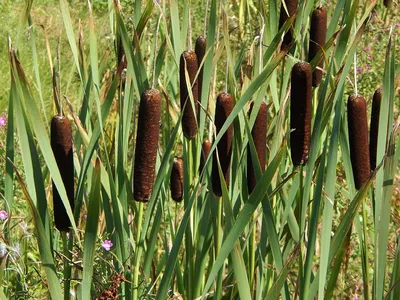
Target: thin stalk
218	241
67	245
302	244
138	253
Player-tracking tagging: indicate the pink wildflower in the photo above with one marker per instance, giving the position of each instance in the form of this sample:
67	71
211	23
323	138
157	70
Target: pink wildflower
107	244
3	121
3	215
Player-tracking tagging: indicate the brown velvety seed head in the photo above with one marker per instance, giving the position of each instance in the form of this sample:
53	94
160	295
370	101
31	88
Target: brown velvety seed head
373	134
317	40
358	139
200	50
300	112
291	6
61	144
259	134
387	3
223	108
206	147
189	123
176	181
148	131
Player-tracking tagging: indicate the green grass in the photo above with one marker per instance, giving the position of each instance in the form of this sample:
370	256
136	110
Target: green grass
302	233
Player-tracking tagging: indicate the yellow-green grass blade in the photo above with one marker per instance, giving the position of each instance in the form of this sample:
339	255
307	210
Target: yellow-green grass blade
90	238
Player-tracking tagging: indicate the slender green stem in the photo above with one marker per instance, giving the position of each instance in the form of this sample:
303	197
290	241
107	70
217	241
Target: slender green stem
138	254
67	246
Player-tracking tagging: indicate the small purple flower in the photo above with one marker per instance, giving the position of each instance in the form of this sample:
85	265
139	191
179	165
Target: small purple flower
3	215
397	25
369	56
360	70
367	48
3	121
367	67
107	244
85	217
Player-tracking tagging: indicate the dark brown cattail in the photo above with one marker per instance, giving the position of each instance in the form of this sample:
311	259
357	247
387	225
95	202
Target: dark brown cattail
189	123
291	6
373	134
176	181
223	108
300	112
259	134
148	131
317	40
61	144
387	3
200	50
206	147
358	139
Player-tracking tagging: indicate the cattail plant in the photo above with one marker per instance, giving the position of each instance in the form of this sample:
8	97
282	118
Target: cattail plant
317	40
387	3
206	147
300	112
200	50
176	180
373	134
148	131
358	139
259	135
188	63
223	108
61	144
285	14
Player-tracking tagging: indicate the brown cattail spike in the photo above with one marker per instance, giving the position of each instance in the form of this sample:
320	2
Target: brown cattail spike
148	131
206	147
358	138
61	144
259	134
387	3
223	108
300	112
317	40
373	134
200	50
189	123
176	180
291	6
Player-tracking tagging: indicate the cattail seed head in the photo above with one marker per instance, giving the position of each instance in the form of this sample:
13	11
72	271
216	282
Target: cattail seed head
61	144
291	6
223	108
387	3
148	131
300	112
259	134
176	181
358	139
200	50
317	40
189	123
206	147
373	134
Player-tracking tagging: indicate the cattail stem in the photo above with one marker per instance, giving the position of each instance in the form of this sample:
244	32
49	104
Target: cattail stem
374	127
188	63
300	112
223	109
200	50
61	144
317	40
148	131
358	139
259	135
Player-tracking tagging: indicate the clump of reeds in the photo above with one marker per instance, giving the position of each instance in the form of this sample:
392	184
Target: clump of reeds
373	134
358	139
223	109
205	152
300	112
291	6
61	144
317	40
148	131
188	62
200	50
176	180
259	134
